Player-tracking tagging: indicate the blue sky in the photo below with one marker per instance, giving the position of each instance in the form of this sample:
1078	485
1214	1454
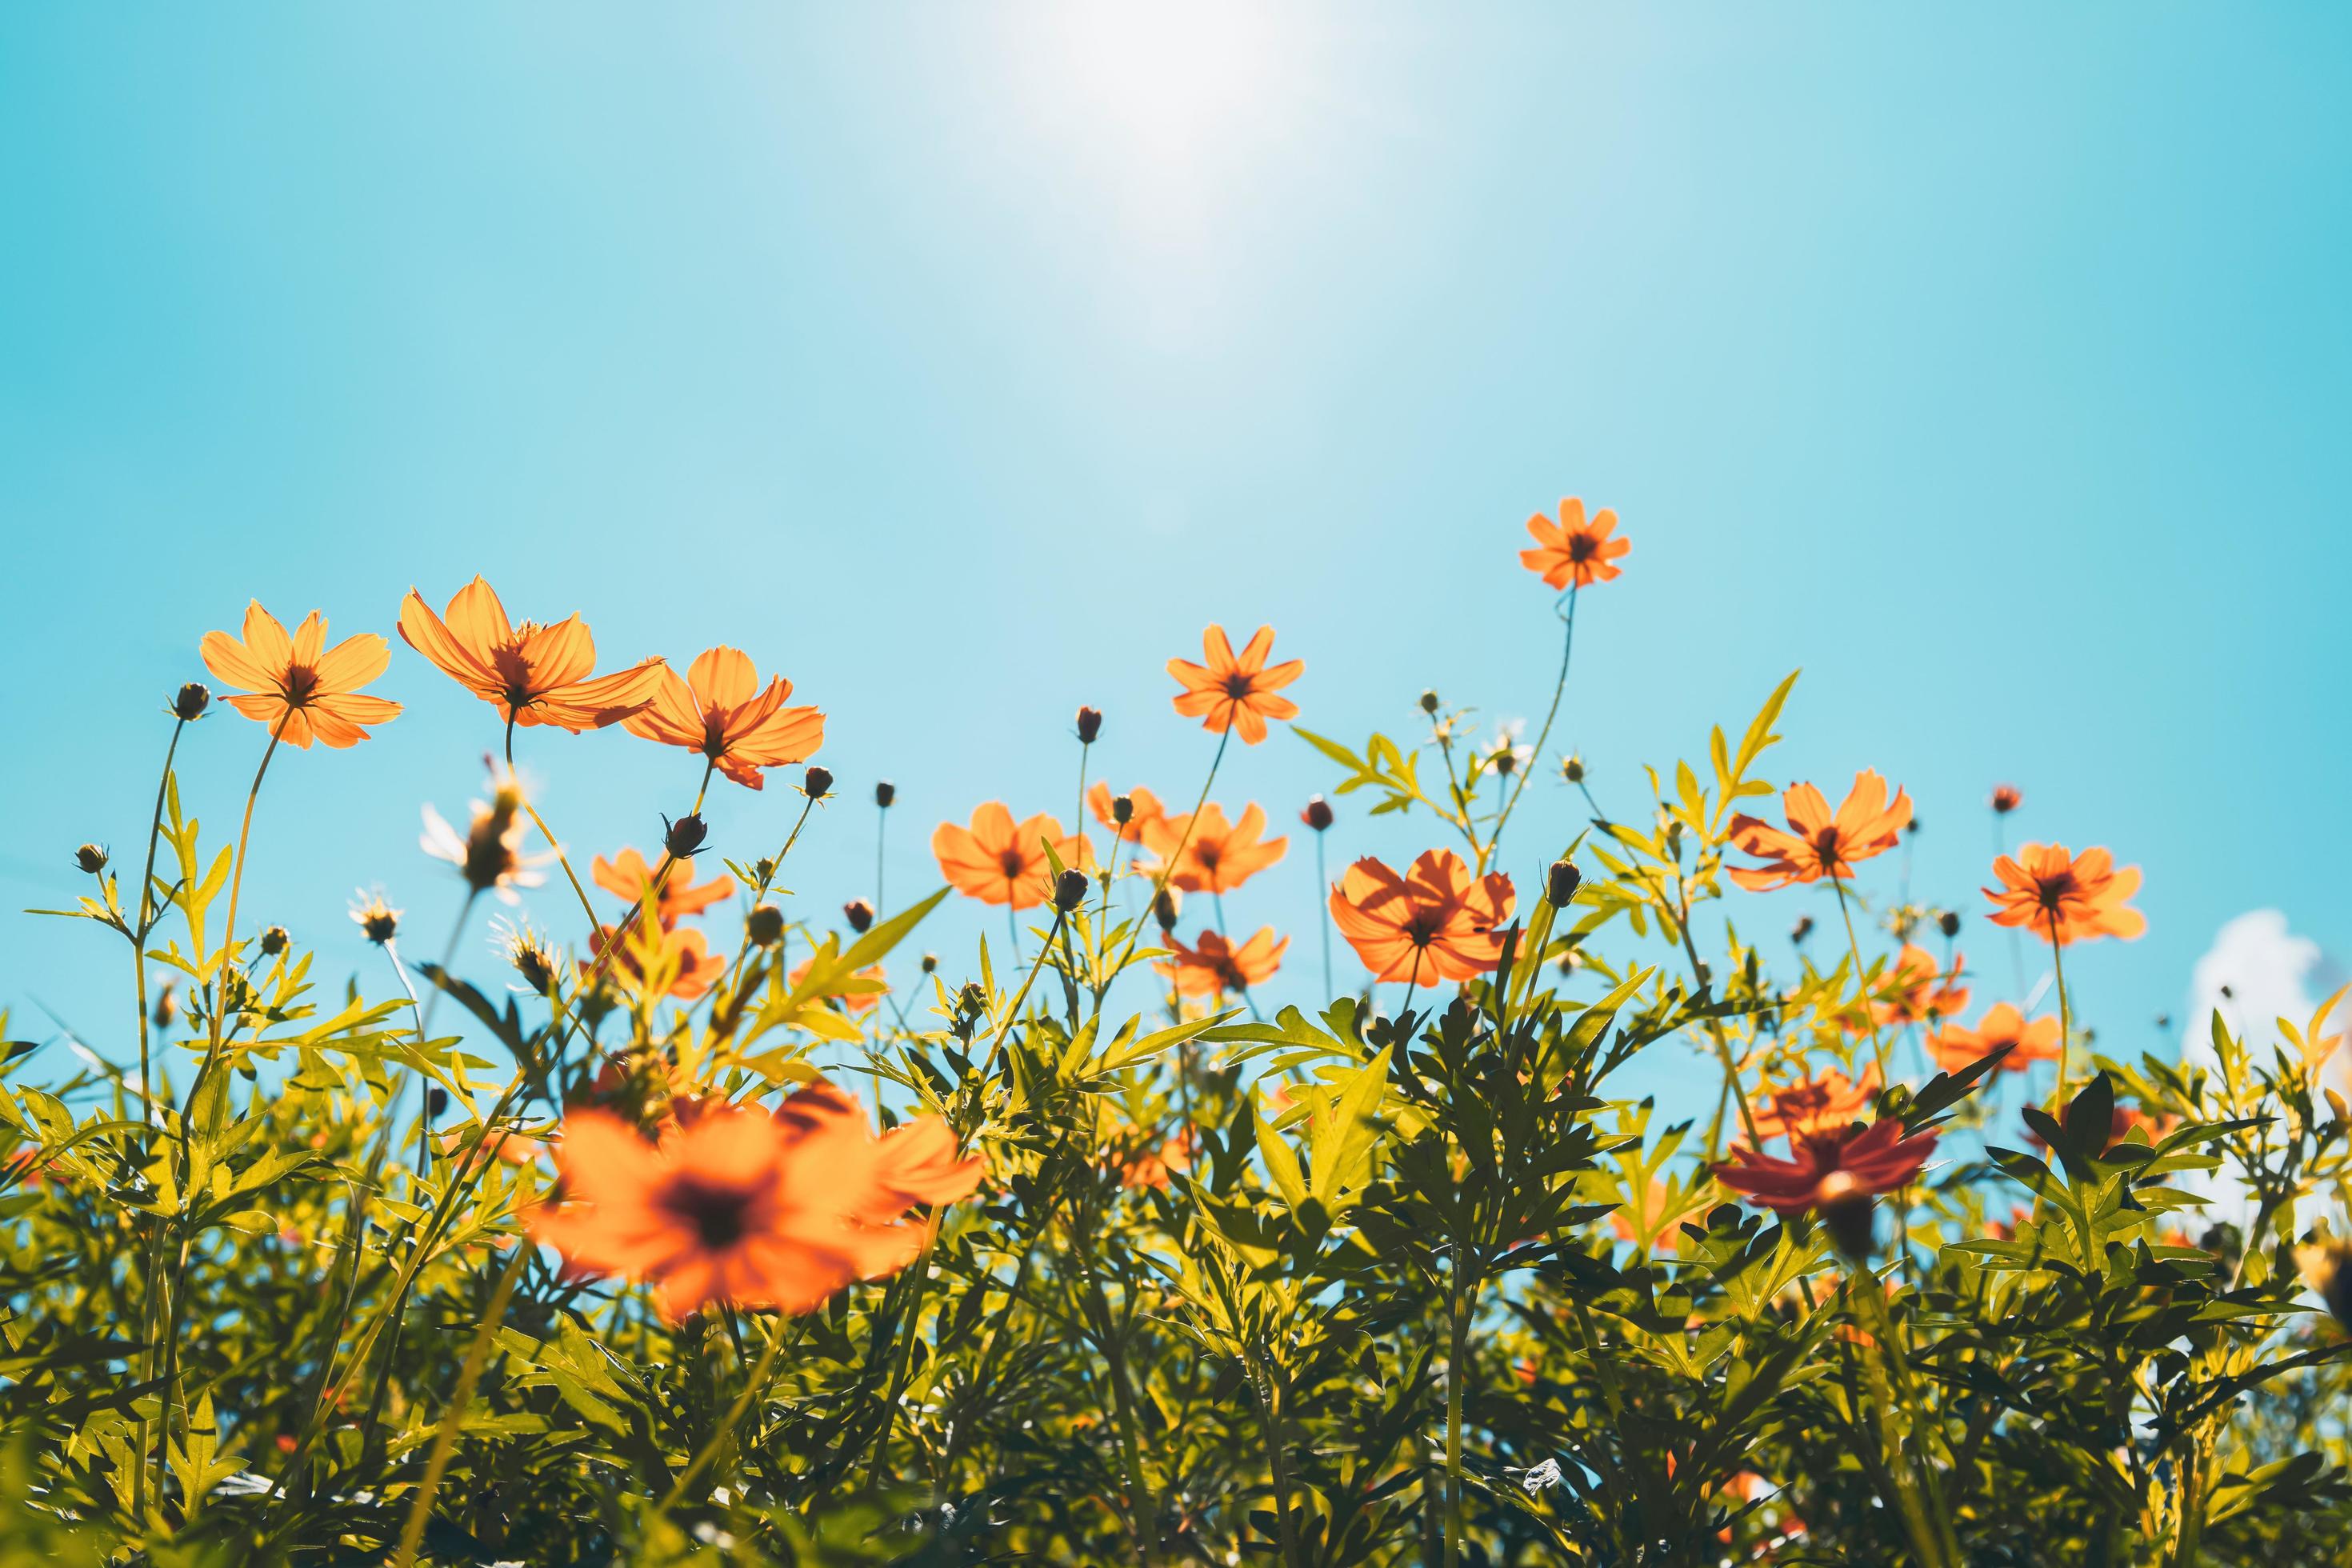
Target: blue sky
962	362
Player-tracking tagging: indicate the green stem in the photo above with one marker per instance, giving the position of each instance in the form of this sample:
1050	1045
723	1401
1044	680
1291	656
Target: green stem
1878	1045
445	1441
1567	648
753	1386
2065	1013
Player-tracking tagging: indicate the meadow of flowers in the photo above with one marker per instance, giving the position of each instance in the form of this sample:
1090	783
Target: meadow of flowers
701	1232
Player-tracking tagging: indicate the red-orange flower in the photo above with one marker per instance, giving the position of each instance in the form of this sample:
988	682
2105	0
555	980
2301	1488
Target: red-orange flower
626	876
1148	810
533	674
2066	898
721	711
1217	856
1574	551
686	958
1915	990
1215	965
998	861
1239	692
1955	1047
739	1207
1830	1167
301	689
1150	1167
1818	844
1435	923
1819	1104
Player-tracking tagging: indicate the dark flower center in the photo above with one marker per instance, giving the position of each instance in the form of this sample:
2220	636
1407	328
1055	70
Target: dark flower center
717	1214
1237	685
2049	891
1825	846
301	684
1013	865
1580	547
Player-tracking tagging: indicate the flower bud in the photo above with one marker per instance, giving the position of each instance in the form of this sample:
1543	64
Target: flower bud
1317	814
533	960
167	1005
188	703
764	925
885	792
1572	769
971	998
1948	922
2006	798
1089	725
90	857
817	782
685	836
930	963
764	868
1913	826
377	919
1069	890
1801	930
436	1100
1164	905
274	941
1122	810
1560	884
859	914
1428	703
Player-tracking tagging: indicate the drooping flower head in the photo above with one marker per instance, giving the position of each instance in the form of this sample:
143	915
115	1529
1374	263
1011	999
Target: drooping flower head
1435	923
488	855
531	674
1834	1173
1235	691
301	689
627	876
1217	856
1818	843
1214	965
998	861
1915	990
746	1208
721	711
1576	552
1144	810
2066	898
1815	1105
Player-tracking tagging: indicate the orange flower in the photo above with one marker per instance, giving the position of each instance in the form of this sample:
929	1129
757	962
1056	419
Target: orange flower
1148	810
999	862
851	1001
1621	1223
626	876
1216	966
532	674
720	711
1818	843
1955	1047
1435	923
1830	1168
1915	991
686	958
1574	551
1150	1167
1217	856
1235	691
739	1207
1820	1104
299	687
2066	898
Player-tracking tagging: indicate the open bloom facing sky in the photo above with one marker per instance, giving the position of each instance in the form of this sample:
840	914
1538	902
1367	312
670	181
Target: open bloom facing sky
1216	855
1213	965
1818	843
532	674
1235	690
721	711
1000	862
1576	552
297	686
2064	897
1435	923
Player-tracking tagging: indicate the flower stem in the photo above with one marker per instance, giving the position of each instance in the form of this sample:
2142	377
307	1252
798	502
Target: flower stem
1567	650
445	1441
2065	1013
1878	1045
1323	913
753	1386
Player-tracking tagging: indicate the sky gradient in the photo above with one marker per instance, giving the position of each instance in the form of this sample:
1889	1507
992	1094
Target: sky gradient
962	362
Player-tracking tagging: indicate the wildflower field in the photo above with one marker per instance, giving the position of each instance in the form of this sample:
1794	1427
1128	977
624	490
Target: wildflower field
703	1230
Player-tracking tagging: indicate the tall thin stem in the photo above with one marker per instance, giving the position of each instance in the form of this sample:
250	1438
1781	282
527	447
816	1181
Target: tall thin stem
1168	868
2065	1013
1878	1045
1567	650
1323	911
148	914
445	1441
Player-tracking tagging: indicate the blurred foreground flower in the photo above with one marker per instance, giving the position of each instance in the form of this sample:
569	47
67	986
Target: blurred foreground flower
2066	898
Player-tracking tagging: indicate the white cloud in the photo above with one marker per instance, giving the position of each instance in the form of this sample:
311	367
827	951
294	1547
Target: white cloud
2256	972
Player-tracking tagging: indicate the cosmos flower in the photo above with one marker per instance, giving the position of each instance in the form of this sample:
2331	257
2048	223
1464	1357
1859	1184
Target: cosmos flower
531	674
1144	806
1955	1047
626	876
1833	1173
1915	992
719	712
1574	551
297	686
998	861
488	855
1235	691
1214	965
1818	844
2066	898
1435	923
1217	856
1817	1104
684	959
